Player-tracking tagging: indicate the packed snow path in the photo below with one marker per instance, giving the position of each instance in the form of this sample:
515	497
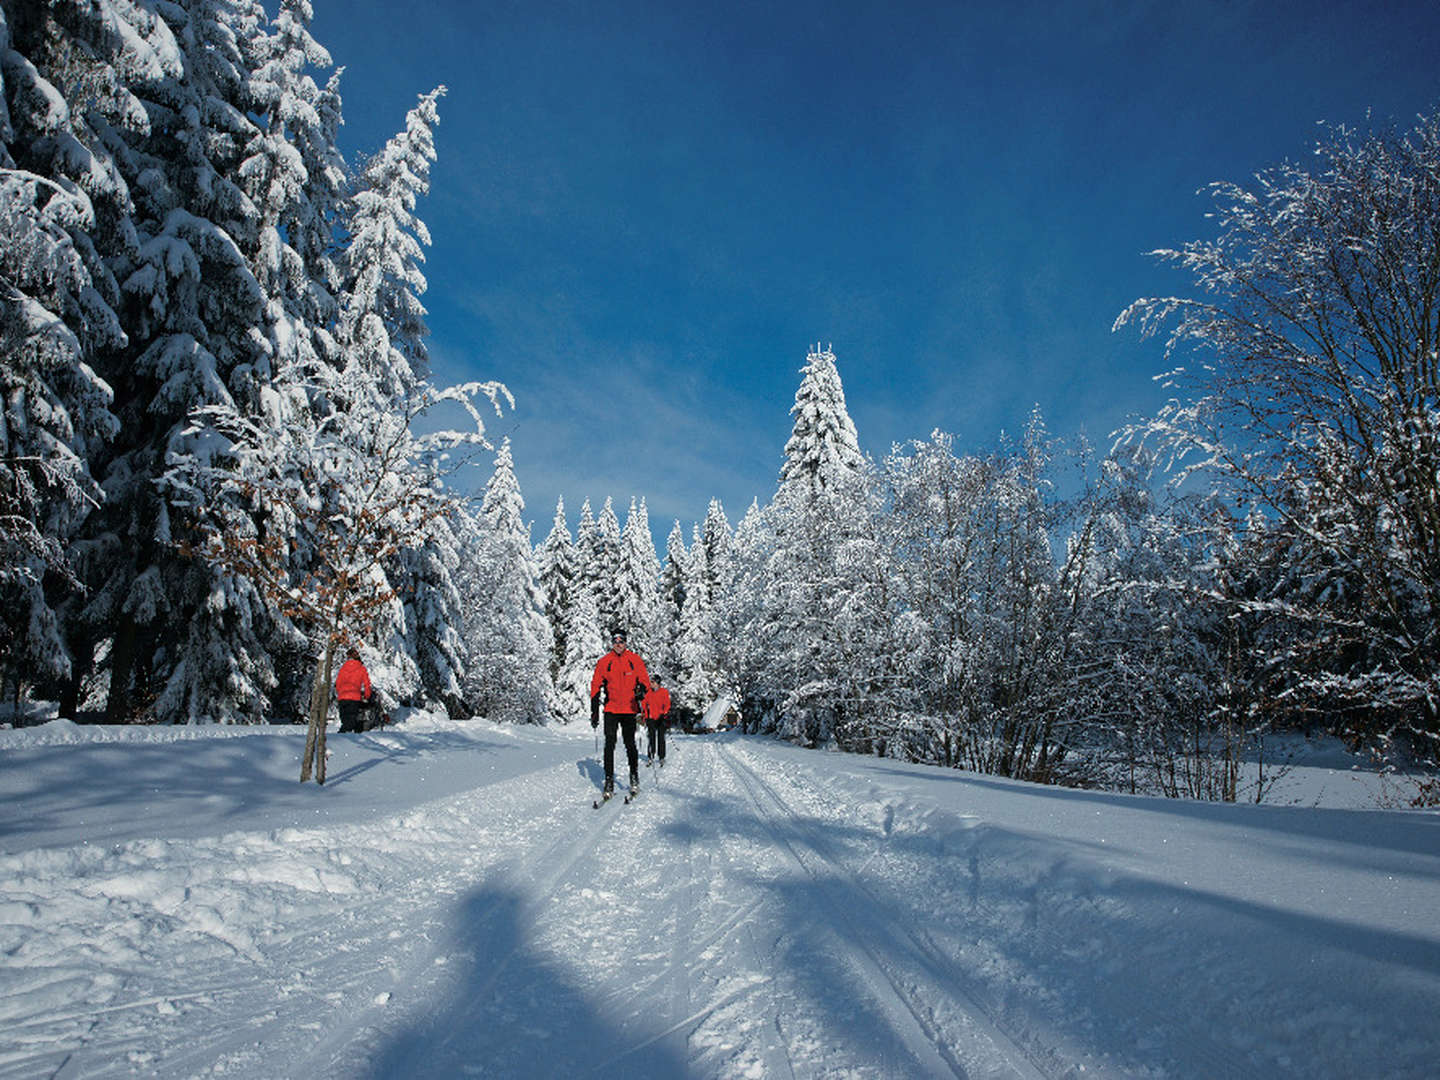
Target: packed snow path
757	912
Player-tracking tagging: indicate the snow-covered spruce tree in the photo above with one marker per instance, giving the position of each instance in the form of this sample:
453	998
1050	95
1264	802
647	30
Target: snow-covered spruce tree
604	572
639	596
508	636
670	600
1318	331
382	321
825	598
56	409
176	276
427	578
696	680
381	327
584	645
555	570
587	551
737	616
715	534
198	640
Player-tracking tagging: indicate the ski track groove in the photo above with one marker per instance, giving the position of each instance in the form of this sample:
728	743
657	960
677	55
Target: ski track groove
1213	1058
930	961
775	1052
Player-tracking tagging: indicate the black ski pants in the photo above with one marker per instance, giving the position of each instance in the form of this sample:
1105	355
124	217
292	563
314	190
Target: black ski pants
625	724
655	742
350	715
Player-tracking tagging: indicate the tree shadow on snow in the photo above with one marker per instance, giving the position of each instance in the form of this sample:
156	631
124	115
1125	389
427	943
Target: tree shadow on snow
510	1010
1401	832
62	794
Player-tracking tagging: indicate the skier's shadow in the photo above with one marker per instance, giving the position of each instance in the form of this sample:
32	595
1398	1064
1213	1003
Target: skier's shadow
593	770
511	1009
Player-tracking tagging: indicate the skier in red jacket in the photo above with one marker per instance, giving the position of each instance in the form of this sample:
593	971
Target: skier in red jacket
621	674
657	719
352	691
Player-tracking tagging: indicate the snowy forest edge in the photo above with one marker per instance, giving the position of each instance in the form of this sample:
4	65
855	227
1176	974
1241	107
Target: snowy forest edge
213	358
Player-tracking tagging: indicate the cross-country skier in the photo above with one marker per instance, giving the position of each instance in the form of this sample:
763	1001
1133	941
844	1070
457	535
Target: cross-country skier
352	691
657	719
621	674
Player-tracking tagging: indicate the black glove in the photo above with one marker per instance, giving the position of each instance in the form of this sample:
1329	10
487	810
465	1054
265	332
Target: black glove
595	711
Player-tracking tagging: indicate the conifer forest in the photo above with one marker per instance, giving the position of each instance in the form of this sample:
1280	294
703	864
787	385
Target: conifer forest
222	462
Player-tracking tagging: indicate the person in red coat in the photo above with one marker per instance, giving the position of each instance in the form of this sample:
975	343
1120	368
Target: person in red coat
657	719
352	691
621	674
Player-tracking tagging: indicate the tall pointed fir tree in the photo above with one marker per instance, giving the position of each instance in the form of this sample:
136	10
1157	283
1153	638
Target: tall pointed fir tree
815	603
715	532
588	567
584	645
737	619
508	676
179	643
555	563
382	327
203	639
638	582
670	602
606	570
697	682
56	410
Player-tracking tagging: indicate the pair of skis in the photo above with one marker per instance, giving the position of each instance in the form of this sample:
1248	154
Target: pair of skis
630	796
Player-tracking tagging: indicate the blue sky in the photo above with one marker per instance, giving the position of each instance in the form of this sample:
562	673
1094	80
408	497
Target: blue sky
645	212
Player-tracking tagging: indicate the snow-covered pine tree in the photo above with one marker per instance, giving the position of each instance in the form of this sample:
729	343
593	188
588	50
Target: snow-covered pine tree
696	681
823	450
717	538
815	574
584	645
609	559
127	68
588	568
555	568
669	602
52	318
382	321
200	640
381	327
429	585
639	598
508	668
740	653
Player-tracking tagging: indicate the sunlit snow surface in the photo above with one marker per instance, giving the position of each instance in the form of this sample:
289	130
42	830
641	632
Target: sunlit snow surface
173	903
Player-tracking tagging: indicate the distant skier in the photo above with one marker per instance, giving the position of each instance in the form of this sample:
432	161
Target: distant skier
657	719
621	674
352	691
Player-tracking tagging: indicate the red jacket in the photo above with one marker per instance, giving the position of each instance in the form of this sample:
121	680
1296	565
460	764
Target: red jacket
657	703
622	674
353	682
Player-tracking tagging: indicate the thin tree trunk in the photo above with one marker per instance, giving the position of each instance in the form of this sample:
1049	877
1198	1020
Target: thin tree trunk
314	757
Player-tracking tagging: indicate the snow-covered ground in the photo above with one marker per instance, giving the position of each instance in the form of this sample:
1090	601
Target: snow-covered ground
173	903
